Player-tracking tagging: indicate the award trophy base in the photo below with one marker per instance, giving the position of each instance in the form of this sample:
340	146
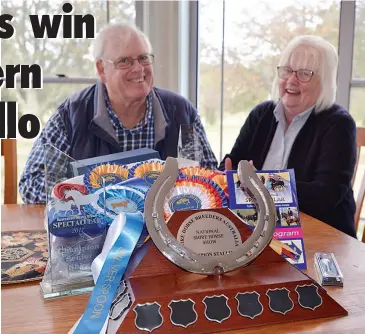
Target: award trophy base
268	291
68	269
53	291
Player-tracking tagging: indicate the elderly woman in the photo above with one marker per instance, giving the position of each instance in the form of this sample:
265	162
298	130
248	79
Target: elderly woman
302	128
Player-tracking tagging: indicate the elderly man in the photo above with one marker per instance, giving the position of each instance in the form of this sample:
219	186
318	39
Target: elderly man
122	112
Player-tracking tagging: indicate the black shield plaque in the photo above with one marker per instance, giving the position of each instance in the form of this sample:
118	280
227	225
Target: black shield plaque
308	296
249	304
279	300
216	308
148	316
182	312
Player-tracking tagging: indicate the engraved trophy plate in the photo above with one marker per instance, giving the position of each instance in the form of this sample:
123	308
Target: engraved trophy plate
148	316
308	296
279	300
249	304
216	308
209	234
191	260
182	312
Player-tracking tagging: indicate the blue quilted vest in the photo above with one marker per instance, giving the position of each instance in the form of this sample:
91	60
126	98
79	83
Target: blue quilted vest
90	137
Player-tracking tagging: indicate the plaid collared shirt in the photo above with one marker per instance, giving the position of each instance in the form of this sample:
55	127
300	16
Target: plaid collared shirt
142	135
32	183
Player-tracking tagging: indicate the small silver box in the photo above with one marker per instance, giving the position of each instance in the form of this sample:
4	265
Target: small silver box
327	269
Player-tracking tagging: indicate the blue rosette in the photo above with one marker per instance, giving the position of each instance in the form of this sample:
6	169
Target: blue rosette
98	204
148	170
104	216
109	173
137	184
120	200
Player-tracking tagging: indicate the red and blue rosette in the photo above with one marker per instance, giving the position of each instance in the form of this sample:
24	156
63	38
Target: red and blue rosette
199	171
221	180
194	193
216	176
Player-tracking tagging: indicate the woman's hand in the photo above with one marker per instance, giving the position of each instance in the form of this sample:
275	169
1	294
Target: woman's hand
228	164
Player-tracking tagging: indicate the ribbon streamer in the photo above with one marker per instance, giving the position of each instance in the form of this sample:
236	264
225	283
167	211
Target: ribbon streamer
108	269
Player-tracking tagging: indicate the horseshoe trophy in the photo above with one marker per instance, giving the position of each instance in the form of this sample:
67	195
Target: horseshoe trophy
206	271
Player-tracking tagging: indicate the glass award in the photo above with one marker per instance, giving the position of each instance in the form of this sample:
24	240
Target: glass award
76	222
189	145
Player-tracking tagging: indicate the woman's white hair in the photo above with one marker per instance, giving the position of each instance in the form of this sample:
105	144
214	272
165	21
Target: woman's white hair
315	54
124	30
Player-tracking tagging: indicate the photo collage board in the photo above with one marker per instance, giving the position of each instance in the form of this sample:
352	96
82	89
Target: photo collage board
282	188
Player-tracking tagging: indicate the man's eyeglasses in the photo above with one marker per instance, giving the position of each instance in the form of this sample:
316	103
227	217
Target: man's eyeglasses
285	72
127	62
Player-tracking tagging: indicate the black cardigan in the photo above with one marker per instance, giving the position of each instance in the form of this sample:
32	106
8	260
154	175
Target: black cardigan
323	157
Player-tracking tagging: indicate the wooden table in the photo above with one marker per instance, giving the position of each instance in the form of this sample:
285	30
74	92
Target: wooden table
25	311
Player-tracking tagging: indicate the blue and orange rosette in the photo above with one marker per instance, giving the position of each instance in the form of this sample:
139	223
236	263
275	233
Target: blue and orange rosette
107	174
147	170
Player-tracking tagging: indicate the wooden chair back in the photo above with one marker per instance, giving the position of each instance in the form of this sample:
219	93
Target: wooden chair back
9	152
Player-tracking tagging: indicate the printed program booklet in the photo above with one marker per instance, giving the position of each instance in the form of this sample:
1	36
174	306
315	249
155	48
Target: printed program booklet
282	188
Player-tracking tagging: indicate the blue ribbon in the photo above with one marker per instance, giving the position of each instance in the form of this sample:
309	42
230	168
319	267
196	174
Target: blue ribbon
97	309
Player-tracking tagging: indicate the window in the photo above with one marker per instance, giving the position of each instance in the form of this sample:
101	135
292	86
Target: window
122	10
251	35
357	98
357	92
210	71
359	41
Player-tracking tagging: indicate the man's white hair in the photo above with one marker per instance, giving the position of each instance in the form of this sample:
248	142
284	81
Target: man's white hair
124	30
318	55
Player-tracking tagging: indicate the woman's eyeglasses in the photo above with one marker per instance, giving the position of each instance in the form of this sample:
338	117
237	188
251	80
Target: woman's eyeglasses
285	72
